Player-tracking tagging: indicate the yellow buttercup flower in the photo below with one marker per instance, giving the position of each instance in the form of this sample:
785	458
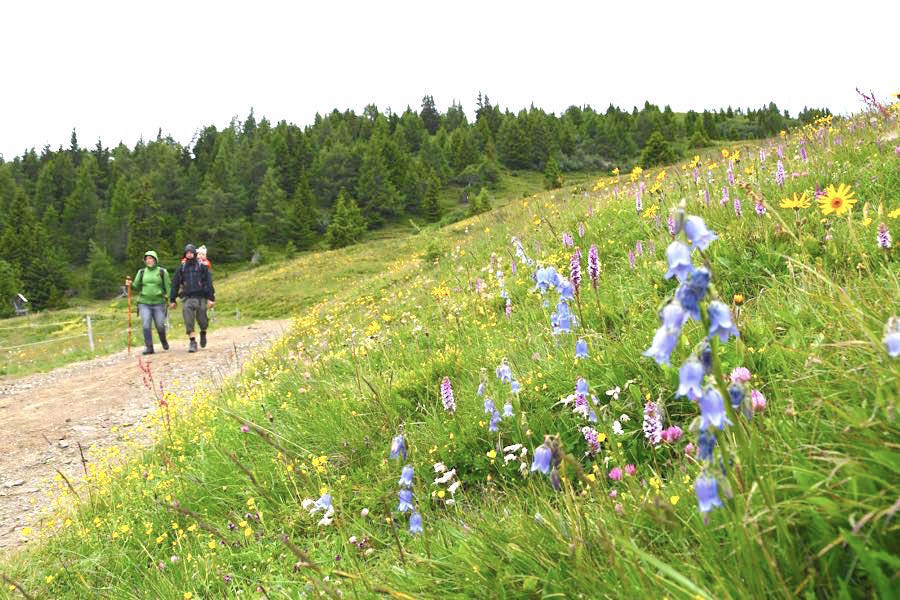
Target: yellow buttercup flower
837	201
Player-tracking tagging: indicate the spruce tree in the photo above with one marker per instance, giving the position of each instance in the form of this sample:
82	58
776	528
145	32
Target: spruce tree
512	142
145	223
657	151
7	191
378	196
25	245
431	118
431	205
10	285
270	218
479	203
112	224
80	211
347	225
698	138
300	215
552	175
102	280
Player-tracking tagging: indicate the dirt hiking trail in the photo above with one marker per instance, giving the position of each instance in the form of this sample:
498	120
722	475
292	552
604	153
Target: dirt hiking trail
45	417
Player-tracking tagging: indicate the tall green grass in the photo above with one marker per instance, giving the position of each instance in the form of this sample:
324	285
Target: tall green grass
815	494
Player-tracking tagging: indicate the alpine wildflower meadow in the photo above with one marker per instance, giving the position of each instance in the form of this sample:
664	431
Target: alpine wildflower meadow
709	413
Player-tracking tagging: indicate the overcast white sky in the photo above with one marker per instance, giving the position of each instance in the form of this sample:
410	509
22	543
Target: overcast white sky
120	70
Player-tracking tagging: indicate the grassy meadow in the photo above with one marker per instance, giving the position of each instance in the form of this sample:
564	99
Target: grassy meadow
283	484
275	289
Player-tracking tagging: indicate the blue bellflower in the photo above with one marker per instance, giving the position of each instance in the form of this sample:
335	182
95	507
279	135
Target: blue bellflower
712	409
664	341
495	421
706	443
415	523
690	379
508	410
581	387
541	461
515	386
678	256
720	322
406	476
707	493
581	349
398	447
504	373
736	394
562	320
566	290
546	278
488	405
673	316
692	291
324	502
405	500
698	233
706	356
892	344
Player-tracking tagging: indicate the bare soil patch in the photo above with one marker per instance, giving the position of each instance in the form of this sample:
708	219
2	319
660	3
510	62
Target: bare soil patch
45	417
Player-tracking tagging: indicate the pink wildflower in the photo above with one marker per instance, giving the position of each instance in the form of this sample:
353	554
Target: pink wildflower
740	375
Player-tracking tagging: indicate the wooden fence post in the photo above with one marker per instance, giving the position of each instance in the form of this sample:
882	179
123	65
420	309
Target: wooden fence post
90	333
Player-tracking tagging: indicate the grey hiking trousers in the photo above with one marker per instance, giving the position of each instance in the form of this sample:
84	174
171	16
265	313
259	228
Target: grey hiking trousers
194	309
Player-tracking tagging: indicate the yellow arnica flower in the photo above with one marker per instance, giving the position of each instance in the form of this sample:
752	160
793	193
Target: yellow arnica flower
837	201
801	201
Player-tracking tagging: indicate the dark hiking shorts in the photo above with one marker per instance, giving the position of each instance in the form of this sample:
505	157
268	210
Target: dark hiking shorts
194	309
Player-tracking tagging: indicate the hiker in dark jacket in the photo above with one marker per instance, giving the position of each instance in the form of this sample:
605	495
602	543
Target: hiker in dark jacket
153	284
193	282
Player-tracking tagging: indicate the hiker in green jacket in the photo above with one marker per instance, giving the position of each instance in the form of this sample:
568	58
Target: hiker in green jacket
153	284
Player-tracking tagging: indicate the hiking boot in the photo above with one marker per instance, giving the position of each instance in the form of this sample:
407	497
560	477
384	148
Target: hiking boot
192	347
147	351
203	339
163	341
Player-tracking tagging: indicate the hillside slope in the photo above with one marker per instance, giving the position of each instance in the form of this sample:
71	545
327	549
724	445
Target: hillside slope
293	480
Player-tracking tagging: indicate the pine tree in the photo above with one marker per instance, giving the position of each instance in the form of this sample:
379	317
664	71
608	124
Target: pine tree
698	138
657	151
10	285
512	142
431	205
7	191
463	149
102	281
26	246
479	203
300	215
80	211
347	225
430	116
145	223
112	224
55	182
269	217
378	196
552	175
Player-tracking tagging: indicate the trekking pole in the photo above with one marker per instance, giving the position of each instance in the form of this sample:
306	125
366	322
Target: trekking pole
128	287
